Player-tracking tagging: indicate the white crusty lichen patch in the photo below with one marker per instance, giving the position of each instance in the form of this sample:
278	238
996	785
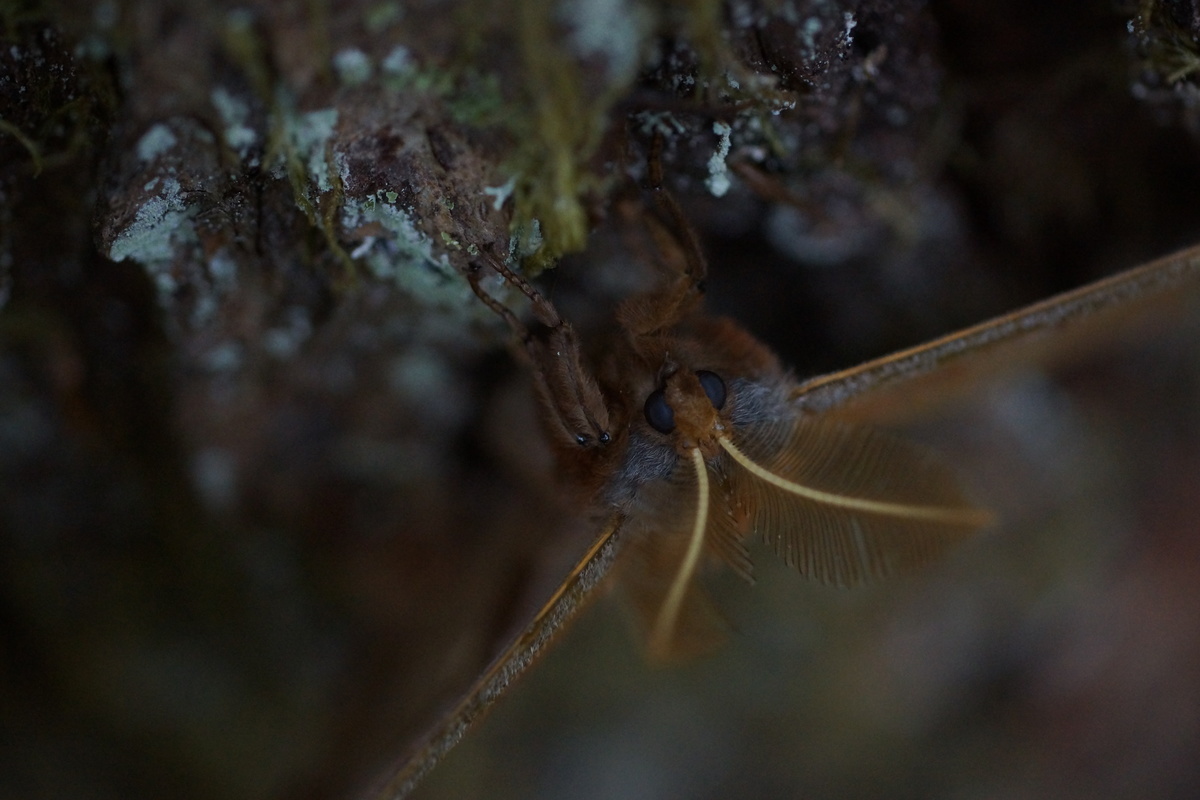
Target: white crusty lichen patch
501	193
162	225
155	142
718	171
235	116
307	136
404	255
615	30
285	340
353	66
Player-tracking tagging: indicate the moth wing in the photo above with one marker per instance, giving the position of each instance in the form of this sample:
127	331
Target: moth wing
571	596
729	521
845	504
678	617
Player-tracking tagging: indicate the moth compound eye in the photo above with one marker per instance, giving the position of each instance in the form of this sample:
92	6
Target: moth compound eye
713	386
658	413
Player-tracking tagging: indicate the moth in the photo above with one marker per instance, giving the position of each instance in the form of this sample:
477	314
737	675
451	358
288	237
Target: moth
689	437
687	433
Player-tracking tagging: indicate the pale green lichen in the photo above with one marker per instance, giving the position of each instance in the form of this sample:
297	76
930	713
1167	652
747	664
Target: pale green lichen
406	255
500	194
808	36
214	474
308	135
204	310
526	239
421	376
477	100
471	97
160	227
225	357
285	341
849	24
663	123
718	172
398	62
234	116
614	30
222	269
155	142
400	73
222	280
353	67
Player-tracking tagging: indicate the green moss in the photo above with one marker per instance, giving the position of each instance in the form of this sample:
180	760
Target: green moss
575	60
247	49
35	152
301	146
299	143
476	100
578	58
526	239
1168	48
307	136
401	73
702	22
54	103
559	135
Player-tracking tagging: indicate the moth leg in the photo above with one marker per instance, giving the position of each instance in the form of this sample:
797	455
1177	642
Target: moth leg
655	312
683	235
473	278
578	414
771	189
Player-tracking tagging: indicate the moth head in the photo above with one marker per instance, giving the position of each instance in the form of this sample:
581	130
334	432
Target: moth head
687	409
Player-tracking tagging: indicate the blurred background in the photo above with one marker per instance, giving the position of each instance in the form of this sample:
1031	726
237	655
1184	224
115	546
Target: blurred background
272	488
